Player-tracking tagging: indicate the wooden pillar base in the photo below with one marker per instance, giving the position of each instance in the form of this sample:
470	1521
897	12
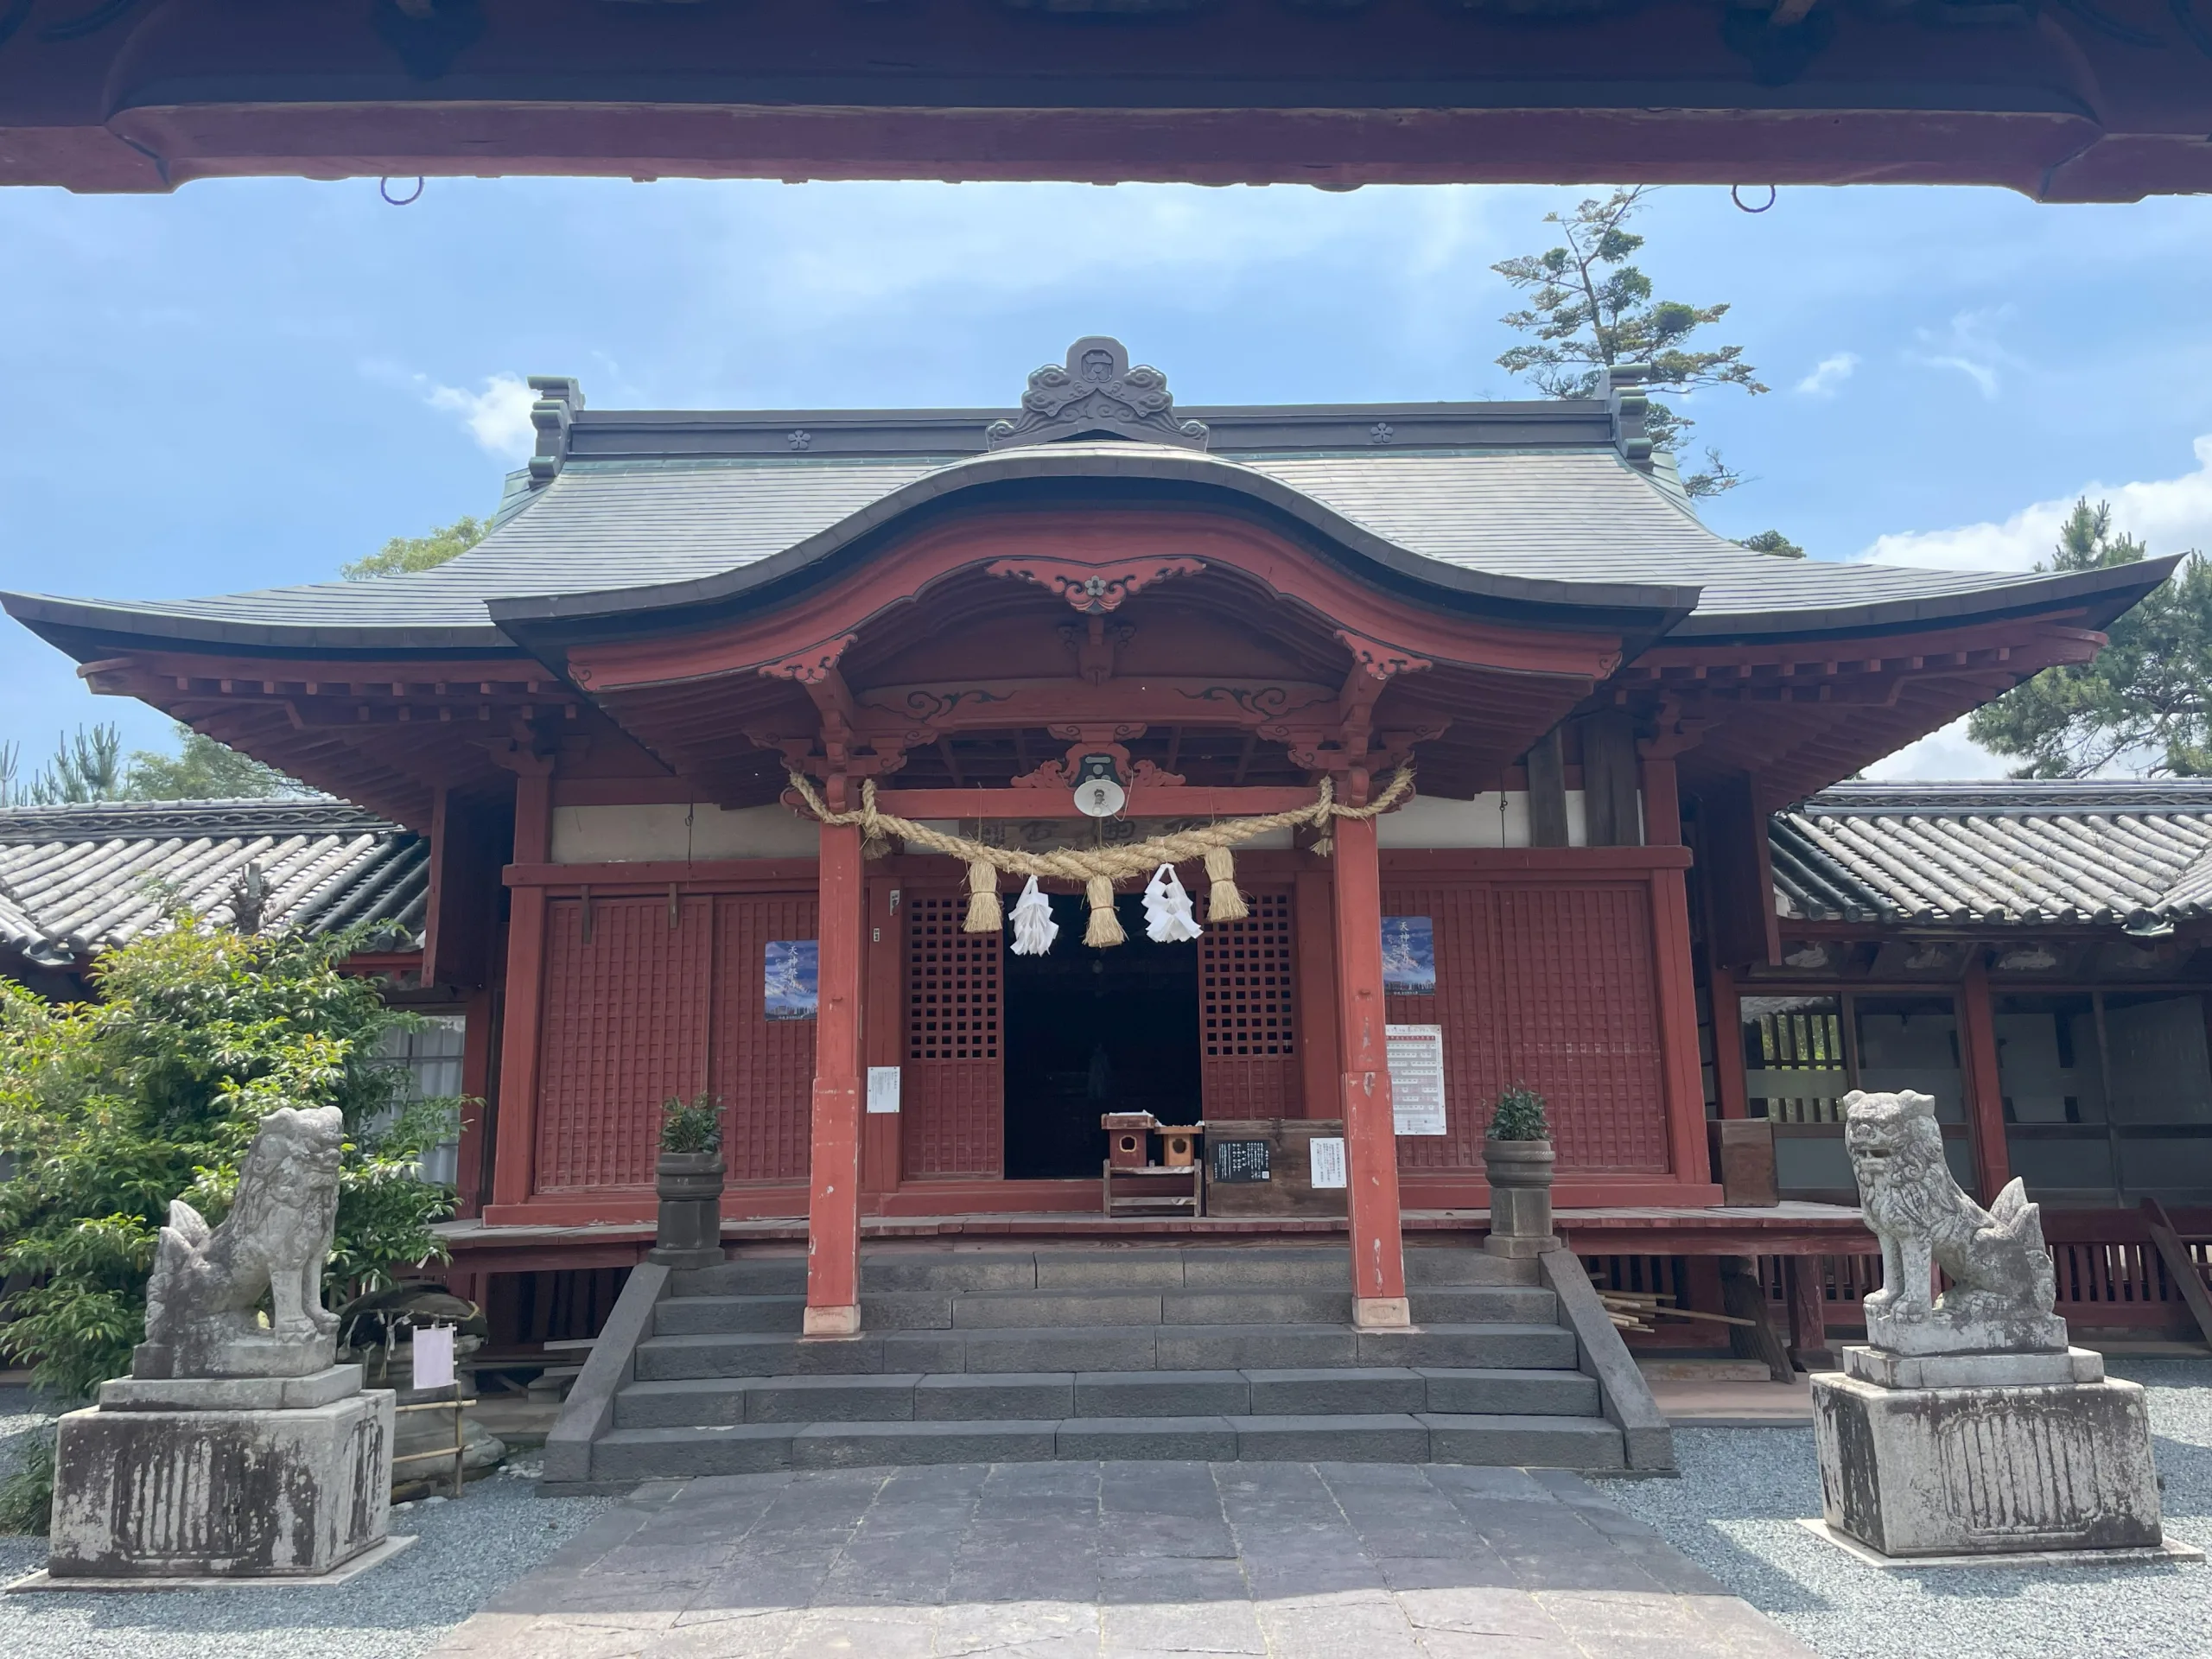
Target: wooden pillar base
1381	1313
831	1322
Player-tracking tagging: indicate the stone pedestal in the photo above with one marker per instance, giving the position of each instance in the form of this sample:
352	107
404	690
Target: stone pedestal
144	1490
1519	1176
2018	1460
689	1187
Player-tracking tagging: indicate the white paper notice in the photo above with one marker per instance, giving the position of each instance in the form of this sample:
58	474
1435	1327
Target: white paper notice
1416	1077
433	1357
1326	1160
883	1089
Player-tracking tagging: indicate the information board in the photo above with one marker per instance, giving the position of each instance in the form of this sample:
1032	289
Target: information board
883	1088
1416	1077
1236	1162
1326	1156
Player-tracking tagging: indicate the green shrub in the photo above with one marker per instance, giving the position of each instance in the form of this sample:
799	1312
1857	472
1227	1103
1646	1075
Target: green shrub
154	1091
27	1495
696	1126
1519	1115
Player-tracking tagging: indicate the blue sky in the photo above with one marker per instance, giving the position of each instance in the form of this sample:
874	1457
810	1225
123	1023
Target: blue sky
250	383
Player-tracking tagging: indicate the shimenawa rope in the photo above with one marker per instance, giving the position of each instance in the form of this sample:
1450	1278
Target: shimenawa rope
1099	868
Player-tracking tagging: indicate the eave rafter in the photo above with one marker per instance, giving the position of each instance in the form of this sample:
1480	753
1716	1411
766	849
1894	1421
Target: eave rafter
385	734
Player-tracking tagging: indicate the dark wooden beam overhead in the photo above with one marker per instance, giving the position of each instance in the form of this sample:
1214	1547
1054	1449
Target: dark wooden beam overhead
2080	100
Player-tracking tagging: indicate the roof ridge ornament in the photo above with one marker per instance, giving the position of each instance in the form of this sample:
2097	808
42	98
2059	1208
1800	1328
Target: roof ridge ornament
1097	393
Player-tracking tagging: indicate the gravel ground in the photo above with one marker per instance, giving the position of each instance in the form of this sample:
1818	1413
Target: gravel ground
468	1552
1735	1512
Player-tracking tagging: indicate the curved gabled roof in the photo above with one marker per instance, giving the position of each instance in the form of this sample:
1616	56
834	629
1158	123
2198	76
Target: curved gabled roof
1571	528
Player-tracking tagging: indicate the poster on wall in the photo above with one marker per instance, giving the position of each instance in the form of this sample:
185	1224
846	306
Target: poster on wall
1416	1077
1408	956
792	980
1325	1161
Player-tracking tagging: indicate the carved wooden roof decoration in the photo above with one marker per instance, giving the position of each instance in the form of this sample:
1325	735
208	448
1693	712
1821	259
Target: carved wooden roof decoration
1096	394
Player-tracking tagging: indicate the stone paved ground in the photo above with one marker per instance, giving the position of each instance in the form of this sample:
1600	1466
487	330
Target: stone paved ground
1121	1560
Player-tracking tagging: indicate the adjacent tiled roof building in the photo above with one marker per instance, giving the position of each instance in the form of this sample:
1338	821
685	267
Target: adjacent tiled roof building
76	879
2098	853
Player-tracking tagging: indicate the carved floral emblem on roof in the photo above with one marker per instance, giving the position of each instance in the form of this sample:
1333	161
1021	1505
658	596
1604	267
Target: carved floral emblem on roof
1096	392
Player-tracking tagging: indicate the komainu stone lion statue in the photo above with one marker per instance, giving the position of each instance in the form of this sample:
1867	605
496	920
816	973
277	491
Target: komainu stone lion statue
203	1302
2002	1289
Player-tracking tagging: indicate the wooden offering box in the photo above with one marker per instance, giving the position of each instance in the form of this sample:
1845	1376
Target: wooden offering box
1129	1138
1264	1166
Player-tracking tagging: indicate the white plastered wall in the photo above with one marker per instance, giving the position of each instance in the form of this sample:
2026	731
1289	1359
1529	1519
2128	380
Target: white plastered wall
672	832
1494	818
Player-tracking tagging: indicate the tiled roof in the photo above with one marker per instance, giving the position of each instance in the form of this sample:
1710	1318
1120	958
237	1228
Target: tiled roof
1575	515
2134	854
75	879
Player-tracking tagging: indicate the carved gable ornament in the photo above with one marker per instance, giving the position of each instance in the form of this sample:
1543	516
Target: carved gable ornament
1096	394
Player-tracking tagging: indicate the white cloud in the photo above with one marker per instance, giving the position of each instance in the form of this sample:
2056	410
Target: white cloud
1969	346
498	417
1945	753
2171	515
1828	374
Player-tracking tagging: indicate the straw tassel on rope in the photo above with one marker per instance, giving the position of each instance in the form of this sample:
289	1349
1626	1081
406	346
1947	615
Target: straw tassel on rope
1105	928
1223	902
985	915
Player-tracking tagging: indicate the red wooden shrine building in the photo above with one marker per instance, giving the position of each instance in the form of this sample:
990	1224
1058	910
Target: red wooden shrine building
592	716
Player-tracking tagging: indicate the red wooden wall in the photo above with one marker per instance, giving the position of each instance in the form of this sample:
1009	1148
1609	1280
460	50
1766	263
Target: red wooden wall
661	1001
1549	984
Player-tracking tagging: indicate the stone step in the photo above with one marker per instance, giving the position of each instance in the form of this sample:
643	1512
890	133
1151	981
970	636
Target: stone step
1461	1264
1498	1440
1469	1304
1088	1309
961	1396
1162	1267
1482	1345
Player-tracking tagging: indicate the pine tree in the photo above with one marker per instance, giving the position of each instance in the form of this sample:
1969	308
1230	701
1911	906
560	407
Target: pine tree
1590	310
2146	703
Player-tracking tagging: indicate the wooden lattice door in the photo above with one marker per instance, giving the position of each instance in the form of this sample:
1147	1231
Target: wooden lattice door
954	1091
1247	1029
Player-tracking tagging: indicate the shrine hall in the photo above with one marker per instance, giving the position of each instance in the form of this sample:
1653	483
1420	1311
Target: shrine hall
732	741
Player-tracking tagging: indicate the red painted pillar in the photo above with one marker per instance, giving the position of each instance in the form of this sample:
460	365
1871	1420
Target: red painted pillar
1378	1265
833	1213
1993	1158
515	1153
1681	1076
1728	1045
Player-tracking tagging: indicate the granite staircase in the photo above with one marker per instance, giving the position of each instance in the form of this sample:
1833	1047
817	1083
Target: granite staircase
996	1355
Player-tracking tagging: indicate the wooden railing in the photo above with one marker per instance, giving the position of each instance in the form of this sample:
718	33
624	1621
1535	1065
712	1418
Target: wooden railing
2111	1279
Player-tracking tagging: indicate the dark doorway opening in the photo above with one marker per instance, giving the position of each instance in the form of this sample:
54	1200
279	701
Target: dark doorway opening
1092	1030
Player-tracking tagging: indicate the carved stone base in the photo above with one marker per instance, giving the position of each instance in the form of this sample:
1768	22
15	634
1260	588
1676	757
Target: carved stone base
1964	1471
223	1494
1964	1323
231	1393
1890	1370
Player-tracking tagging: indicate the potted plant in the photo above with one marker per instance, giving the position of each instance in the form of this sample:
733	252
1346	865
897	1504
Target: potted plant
689	1182
1517	1154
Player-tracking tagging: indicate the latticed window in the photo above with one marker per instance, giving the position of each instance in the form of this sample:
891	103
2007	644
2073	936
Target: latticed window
1245	982
952	985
